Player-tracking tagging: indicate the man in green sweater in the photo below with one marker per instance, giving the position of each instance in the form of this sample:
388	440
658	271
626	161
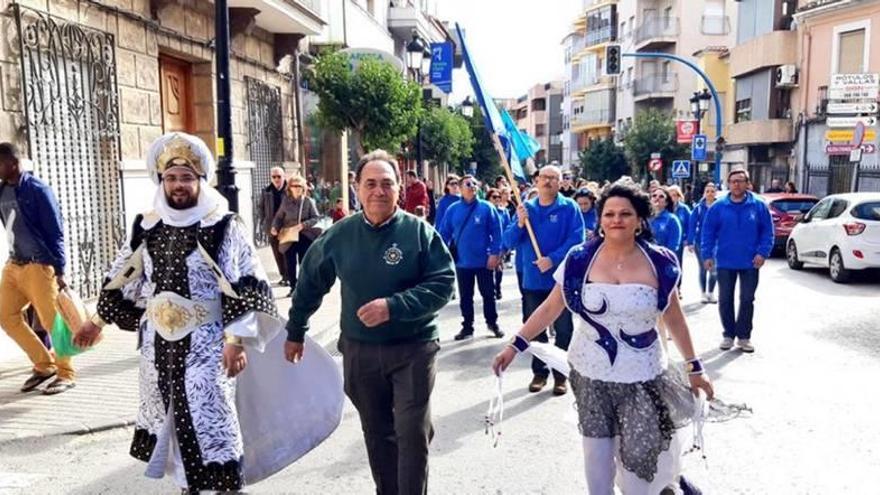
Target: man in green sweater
396	274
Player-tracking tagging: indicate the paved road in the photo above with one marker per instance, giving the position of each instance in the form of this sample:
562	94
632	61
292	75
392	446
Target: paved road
811	385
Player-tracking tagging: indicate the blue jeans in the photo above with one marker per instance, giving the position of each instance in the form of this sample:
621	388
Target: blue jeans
739	326
563	326
707	278
486	284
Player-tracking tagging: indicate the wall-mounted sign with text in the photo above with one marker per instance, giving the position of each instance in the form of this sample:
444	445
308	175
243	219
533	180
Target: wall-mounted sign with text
854	87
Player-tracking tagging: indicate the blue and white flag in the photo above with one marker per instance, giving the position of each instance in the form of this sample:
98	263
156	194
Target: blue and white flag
495	123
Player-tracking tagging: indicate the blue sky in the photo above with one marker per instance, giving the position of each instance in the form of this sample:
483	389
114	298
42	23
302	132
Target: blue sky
515	43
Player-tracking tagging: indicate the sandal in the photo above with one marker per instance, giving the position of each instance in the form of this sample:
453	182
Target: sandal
58	386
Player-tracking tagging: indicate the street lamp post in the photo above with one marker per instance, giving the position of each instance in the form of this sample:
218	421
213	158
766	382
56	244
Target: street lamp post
467	107
225	168
699	106
418	61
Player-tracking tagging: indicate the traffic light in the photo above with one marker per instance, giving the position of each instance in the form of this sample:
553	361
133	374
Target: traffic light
612	60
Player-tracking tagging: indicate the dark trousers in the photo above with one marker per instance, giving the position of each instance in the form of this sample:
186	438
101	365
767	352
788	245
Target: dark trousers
486	285
707	278
563	326
741	325
390	386
522	297
499	275
297	250
280	262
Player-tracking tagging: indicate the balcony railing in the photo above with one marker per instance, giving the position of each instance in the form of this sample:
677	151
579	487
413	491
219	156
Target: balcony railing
655	84
656	27
715	24
593	117
602	35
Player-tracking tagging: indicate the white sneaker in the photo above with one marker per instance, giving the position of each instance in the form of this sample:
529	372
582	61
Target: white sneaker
726	344
745	345
712	298
704	298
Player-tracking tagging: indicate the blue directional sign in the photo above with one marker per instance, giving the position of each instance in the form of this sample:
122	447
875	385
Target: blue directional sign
698	148
441	66
681	169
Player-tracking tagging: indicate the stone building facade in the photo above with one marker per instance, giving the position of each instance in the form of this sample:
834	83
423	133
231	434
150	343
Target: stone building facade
86	85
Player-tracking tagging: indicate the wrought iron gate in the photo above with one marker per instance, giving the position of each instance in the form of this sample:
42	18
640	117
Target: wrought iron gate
71	105
265	142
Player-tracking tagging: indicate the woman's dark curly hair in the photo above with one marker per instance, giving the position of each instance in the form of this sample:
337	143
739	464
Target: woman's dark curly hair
641	202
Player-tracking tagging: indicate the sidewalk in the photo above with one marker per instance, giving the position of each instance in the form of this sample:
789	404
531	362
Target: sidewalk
106	395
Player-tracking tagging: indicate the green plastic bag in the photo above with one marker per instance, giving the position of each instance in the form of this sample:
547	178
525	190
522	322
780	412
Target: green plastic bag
62	338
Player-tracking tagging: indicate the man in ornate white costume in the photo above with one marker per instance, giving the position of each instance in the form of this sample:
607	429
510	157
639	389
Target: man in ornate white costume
190	283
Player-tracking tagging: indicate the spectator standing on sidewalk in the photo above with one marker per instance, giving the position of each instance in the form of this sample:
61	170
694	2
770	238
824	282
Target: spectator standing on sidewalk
297	212
34	272
737	236
270	202
416	193
558	227
353	203
389	329
472	230
707	278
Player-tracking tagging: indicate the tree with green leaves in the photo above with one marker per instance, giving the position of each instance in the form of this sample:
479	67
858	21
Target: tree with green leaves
603	160
653	131
378	105
446	136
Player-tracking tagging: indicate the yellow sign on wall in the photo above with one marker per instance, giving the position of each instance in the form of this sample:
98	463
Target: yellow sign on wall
846	135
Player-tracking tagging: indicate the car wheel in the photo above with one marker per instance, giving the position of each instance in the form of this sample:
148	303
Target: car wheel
839	273
791	256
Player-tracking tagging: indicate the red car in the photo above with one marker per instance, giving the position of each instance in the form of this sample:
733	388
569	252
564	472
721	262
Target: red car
786	211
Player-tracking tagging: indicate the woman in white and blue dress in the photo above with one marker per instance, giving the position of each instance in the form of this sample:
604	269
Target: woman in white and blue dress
631	402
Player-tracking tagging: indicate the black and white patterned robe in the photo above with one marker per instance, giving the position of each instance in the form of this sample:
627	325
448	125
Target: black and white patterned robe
184	381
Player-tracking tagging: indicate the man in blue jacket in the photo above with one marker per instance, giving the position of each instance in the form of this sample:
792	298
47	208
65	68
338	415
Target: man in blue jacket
472	230
558	226
34	273
739	231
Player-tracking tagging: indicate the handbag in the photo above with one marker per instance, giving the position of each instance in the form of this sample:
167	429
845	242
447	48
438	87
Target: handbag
289	235
453	246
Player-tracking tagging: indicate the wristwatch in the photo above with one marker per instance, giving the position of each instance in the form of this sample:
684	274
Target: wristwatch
98	321
231	339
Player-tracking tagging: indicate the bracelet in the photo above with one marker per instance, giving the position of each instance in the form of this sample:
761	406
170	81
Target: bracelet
519	343
693	366
231	339
98	321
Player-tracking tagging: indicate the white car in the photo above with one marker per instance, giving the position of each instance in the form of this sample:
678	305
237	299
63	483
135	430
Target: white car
841	232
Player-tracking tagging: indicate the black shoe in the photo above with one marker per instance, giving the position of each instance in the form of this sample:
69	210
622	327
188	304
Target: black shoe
58	386
497	296
465	333
35	380
496	331
284	282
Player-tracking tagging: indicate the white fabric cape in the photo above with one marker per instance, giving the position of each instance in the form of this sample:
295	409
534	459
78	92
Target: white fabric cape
285	409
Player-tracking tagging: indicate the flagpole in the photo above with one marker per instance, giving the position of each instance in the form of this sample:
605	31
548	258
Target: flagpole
510	178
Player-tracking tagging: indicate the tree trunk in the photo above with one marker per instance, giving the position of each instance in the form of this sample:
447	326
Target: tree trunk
358	142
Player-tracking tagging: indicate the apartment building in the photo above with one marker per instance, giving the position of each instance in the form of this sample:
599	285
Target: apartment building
539	113
760	132
597	106
838	67
89	85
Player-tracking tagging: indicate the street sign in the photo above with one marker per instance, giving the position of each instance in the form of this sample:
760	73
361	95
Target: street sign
846	135
849	108
699	148
843	122
441	66
681	169
845	149
685	131
854	87
655	155
655	165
